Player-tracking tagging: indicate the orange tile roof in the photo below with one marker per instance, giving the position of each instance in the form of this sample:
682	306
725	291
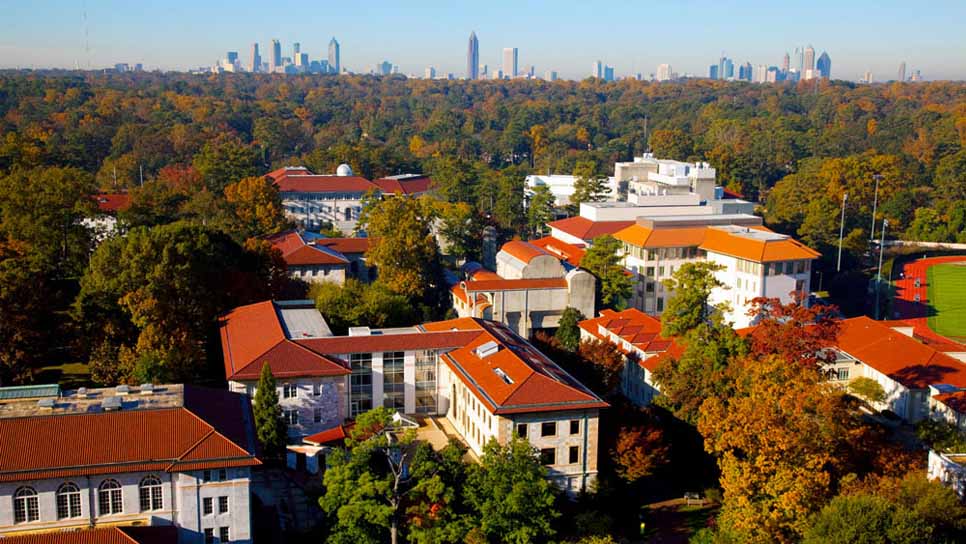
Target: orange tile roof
739	242
167	439
536	384
585	229
560	249
523	251
336	434
413	185
155	534
297	252
637	328
641	236
252	335
112	202
346	246
339	345
904	359
290	183
515	285
275	175
955	400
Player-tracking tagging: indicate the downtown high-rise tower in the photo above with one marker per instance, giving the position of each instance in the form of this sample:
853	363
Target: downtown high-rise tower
473	58
335	63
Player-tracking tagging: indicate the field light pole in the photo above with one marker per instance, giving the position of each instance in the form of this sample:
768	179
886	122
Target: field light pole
878	273
875	205
838	265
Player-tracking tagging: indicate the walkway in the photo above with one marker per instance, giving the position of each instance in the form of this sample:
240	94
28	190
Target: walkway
914	312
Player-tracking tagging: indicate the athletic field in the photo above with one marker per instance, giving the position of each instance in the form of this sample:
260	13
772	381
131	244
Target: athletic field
947	295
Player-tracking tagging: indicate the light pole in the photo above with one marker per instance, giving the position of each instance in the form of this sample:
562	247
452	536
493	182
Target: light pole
878	272
875	205
838	265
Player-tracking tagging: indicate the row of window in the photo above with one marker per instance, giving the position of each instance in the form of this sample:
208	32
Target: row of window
291	416
223	535
208	505
291	390
786	267
662	252
547	428
548	456
110	500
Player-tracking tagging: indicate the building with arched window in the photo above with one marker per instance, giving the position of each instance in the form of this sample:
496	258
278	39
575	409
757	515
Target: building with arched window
148	456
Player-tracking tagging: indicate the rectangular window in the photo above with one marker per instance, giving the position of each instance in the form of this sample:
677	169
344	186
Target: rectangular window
574	454
317	415
548	456
574	426
223	534
425	382
290	391
291	417
649	272
360	383
206	506
209	536
649	287
223	504
522	430
660	304
393	387
222	474
206	476
316	389
548	428
842	374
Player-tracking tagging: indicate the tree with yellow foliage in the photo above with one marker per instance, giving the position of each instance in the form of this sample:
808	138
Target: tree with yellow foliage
256	207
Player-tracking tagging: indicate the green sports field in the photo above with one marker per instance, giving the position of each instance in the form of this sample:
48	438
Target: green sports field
947	295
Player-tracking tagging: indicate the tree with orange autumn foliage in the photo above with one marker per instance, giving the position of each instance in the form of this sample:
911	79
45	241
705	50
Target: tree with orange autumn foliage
639	450
256	206
793	332
606	359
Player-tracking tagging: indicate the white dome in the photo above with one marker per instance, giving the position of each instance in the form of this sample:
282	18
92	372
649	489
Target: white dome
343	170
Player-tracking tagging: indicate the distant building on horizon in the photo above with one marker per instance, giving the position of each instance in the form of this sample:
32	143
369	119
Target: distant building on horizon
550	75
275	61
809	58
335	63
256	64
786	63
510	60
663	72
902	71
713	71
824	66
430	72
598	70
473	57
608	73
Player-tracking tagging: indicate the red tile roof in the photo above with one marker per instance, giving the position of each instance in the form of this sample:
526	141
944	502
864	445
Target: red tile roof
336	435
347	246
523	251
112	202
560	249
728	241
412	185
339	345
587	230
515	285
533	382
275	175
904	359
323	184
170	439
635	327
252	335
955	401
156	534
297	252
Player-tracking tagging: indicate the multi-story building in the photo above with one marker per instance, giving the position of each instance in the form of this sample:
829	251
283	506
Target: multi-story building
510	62
755	262
473	57
276	59
314	259
335	59
529	290
638	336
312	201
649	176
562	187
169	455
824	66
485	379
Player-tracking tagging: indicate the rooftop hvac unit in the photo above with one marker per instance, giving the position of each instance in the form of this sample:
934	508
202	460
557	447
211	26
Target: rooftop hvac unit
147	388
45	403
485	350
82	392
111	403
122	389
360	331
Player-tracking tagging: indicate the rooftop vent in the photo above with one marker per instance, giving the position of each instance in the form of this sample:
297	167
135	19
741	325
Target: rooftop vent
147	388
82	392
485	350
506	379
45	403
360	331
122	389
111	403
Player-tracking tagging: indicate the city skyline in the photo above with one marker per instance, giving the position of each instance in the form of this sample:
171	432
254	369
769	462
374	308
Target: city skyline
110	34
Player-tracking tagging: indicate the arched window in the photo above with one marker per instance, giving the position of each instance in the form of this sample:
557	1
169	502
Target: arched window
68	501
109	498
25	505
150	493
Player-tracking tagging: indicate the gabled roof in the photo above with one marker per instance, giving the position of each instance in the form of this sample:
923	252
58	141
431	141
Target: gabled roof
111	202
569	253
252	335
275	175
168	439
523	251
339	345
515	284
517	377
290	183
404	185
633	326
347	246
904	359
585	229
757	245
297	252
336	435
641	236
154	534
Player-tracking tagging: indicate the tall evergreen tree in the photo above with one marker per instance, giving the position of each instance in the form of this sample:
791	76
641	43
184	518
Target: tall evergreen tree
268	414
568	330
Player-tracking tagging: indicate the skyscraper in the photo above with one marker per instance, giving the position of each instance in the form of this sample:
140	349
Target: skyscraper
296	49
824	66
799	59
598	70
510	62
713	71
663	72
729	69
334	60
256	59
786	63
473	58
809	58
902	71
430	73
608	73
276	59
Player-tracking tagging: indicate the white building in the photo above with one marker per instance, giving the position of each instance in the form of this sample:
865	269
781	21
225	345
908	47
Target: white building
950	470
312	200
315	259
664	72
150	456
650	176
562	187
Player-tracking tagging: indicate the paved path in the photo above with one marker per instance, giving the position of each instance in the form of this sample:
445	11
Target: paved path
906	308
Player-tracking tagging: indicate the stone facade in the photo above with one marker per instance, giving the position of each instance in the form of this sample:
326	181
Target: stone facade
318	402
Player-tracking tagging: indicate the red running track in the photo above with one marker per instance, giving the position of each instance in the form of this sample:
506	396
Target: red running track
907	309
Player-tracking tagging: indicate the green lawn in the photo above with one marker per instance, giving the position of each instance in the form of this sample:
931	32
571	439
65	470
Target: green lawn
947	295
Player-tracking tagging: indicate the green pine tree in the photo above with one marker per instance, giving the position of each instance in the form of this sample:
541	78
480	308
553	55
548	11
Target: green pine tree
268	414
568	330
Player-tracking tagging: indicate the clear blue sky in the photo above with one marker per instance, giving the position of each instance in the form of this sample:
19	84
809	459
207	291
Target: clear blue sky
632	36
